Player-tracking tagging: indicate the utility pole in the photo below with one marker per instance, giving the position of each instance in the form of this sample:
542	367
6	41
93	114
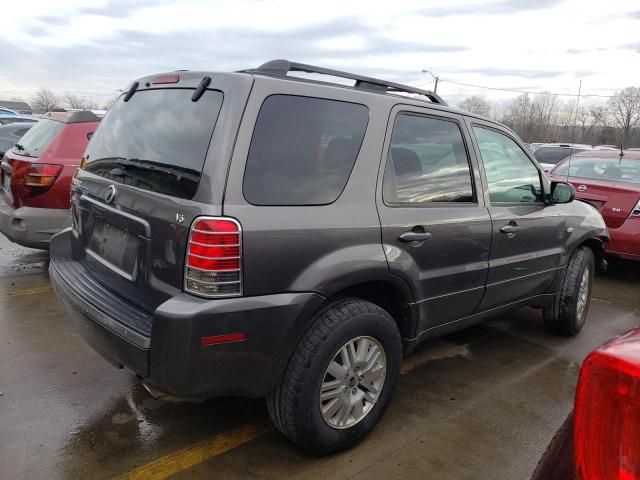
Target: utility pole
435	86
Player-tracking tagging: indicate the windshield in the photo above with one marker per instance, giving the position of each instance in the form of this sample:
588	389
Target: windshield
553	155
602	169
38	138
157	141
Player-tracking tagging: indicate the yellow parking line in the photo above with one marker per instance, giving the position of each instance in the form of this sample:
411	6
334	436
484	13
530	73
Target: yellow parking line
26	291
198	453
206	450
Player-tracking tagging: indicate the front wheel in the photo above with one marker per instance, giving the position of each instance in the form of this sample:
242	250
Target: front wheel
568	313
339	379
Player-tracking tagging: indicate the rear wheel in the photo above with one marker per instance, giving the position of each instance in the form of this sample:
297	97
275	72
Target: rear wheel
570	308
339	379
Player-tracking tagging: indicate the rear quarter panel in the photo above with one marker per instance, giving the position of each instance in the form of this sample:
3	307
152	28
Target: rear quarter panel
311	248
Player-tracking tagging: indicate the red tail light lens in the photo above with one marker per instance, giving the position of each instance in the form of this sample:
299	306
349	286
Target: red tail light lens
32	179
607	412
42	175
214	253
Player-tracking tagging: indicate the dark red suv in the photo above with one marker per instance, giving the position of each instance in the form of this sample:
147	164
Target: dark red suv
36	177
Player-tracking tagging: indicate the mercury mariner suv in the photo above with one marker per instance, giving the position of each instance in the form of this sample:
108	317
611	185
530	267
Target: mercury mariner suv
265	235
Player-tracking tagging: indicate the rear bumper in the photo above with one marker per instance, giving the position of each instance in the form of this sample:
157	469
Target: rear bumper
172	358
32	227
625	240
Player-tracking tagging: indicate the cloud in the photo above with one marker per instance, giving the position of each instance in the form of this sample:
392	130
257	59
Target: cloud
97	47
118	8
132	53
503	7
632	46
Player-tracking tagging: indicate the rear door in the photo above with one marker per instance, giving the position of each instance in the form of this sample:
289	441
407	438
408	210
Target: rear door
528	235
436	230
147	173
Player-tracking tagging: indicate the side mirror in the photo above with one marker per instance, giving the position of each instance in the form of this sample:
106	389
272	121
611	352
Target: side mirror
562	192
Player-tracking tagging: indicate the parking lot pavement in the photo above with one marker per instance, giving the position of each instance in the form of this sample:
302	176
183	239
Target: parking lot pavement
482	403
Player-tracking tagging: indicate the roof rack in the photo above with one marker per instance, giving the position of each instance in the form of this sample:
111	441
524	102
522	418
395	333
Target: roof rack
280	68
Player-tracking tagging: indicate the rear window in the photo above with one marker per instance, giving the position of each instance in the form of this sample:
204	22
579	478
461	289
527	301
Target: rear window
602	169
553	155
303	150
38	138
157	141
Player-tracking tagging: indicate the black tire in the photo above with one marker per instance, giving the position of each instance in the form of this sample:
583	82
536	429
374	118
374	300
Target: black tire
562	317
294	406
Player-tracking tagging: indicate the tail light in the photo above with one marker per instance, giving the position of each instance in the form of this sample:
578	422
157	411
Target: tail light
214	258
635	213
607	412
31	179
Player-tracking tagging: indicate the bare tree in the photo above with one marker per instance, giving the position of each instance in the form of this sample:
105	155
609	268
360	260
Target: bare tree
476	105
45	100
597	118
543	115
625	111
74	101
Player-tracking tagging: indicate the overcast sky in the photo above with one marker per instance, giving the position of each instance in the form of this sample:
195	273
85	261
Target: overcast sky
94	47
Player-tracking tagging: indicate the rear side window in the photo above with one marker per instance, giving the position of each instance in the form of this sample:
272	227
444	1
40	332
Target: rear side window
158	140
427	163
38	138
303	150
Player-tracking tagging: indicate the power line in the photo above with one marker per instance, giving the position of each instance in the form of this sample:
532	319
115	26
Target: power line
523	91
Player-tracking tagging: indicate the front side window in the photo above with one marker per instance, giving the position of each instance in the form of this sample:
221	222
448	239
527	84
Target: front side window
303	150
427	163
511	176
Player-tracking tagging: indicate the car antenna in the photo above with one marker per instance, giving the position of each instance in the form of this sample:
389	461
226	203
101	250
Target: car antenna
575	126
621	152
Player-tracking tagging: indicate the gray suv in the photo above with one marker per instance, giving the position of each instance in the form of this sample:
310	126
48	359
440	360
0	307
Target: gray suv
265	235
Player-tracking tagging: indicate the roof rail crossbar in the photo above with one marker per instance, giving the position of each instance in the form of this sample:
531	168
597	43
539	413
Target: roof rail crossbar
280	68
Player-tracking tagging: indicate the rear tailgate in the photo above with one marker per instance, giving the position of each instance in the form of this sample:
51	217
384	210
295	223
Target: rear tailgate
138	188
615	201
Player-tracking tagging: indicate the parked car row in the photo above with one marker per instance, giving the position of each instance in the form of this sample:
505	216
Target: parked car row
240	234
550	154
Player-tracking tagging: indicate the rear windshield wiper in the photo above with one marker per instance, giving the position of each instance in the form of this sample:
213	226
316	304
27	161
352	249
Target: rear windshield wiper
18	147
150	166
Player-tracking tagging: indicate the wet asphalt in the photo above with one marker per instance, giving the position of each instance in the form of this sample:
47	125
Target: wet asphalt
482	403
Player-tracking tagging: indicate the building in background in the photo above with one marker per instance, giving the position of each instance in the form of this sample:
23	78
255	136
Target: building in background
22	108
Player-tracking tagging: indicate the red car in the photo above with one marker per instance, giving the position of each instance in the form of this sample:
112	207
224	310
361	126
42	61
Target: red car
35	177
611	183
601	440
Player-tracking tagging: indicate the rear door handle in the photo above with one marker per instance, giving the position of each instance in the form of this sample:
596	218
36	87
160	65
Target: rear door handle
415	236
510	229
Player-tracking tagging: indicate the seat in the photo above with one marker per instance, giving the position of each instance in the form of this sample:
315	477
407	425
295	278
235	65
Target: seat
405	162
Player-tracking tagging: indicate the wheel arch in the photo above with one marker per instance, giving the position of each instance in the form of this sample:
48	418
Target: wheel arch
388	291
596	245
